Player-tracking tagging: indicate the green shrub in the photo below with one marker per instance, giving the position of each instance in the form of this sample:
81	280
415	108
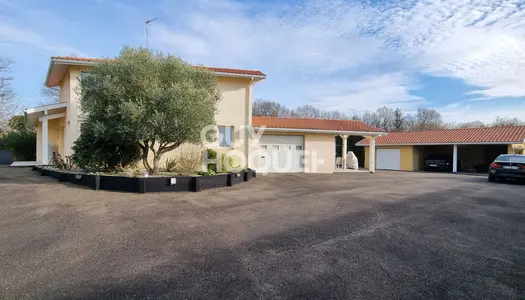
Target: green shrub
21	142
207	173
211	154
94	150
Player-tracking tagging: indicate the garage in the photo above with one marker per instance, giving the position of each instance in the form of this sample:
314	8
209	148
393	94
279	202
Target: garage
281	153
388	159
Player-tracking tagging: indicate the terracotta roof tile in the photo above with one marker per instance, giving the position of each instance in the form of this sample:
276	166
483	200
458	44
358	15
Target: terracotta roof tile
510	134
314	124
217	70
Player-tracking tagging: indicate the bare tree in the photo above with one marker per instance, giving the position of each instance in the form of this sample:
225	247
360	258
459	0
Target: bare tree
8	103
383	117
306	111
334	115
370	118
410	123
50	94
506	121
472	124
386	117
274	109
269	108
428	119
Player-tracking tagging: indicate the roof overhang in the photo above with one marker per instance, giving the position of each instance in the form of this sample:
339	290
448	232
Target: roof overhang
442	144
58	67
32	115
334	132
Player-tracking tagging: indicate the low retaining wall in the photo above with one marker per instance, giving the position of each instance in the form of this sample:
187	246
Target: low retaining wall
149	184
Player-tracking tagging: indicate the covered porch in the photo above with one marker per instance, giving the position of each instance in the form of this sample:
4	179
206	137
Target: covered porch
346	143
50	122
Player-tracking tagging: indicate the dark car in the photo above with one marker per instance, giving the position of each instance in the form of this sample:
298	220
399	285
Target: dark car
507	166
438	162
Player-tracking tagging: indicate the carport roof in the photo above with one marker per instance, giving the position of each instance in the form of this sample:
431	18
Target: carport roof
487	135
314	125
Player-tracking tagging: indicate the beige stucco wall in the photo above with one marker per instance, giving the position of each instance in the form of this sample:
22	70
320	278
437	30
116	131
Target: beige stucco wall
234	109
516	148
320	153
71	95
406	160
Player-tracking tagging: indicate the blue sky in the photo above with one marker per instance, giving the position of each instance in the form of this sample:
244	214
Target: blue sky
464	58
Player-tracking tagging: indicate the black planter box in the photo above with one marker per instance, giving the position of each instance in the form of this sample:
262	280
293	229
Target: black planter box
91	181
210	182
149	184
167	184
120	183
235	178
55	174
249	174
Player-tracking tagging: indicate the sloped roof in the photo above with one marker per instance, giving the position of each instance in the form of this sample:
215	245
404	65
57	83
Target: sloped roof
503	135
217	70
313	124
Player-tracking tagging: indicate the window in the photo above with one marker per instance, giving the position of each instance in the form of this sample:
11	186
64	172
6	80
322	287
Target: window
225	136
84	74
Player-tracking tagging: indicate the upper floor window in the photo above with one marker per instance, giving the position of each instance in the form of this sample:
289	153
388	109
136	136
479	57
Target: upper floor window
84	74
225	136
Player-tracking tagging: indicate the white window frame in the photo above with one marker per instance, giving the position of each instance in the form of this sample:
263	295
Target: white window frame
222	142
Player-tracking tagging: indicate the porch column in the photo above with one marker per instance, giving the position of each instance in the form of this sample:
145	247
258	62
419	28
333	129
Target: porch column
45	158
345	149
45	135
372	155
455	159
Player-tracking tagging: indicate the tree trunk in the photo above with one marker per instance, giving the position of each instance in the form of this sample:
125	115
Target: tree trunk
156	160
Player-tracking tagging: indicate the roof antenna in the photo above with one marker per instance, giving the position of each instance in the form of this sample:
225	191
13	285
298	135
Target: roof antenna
148	23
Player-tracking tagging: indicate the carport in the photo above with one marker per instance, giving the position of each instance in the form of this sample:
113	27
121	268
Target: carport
465	157
469	149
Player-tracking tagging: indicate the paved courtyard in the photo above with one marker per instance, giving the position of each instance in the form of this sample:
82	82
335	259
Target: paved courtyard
348	235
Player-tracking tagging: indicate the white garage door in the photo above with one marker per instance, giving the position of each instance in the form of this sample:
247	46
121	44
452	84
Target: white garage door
388	159
281	153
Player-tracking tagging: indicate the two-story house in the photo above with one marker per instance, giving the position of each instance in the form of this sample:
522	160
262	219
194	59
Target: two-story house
279	145
58	125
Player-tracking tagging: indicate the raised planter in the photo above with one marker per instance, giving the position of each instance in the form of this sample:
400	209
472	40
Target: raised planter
211	182
249	174
148	184
91	181
62	176
170	184
235	178
122	183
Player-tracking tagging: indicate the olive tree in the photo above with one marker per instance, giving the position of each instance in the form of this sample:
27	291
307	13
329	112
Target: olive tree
157	101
